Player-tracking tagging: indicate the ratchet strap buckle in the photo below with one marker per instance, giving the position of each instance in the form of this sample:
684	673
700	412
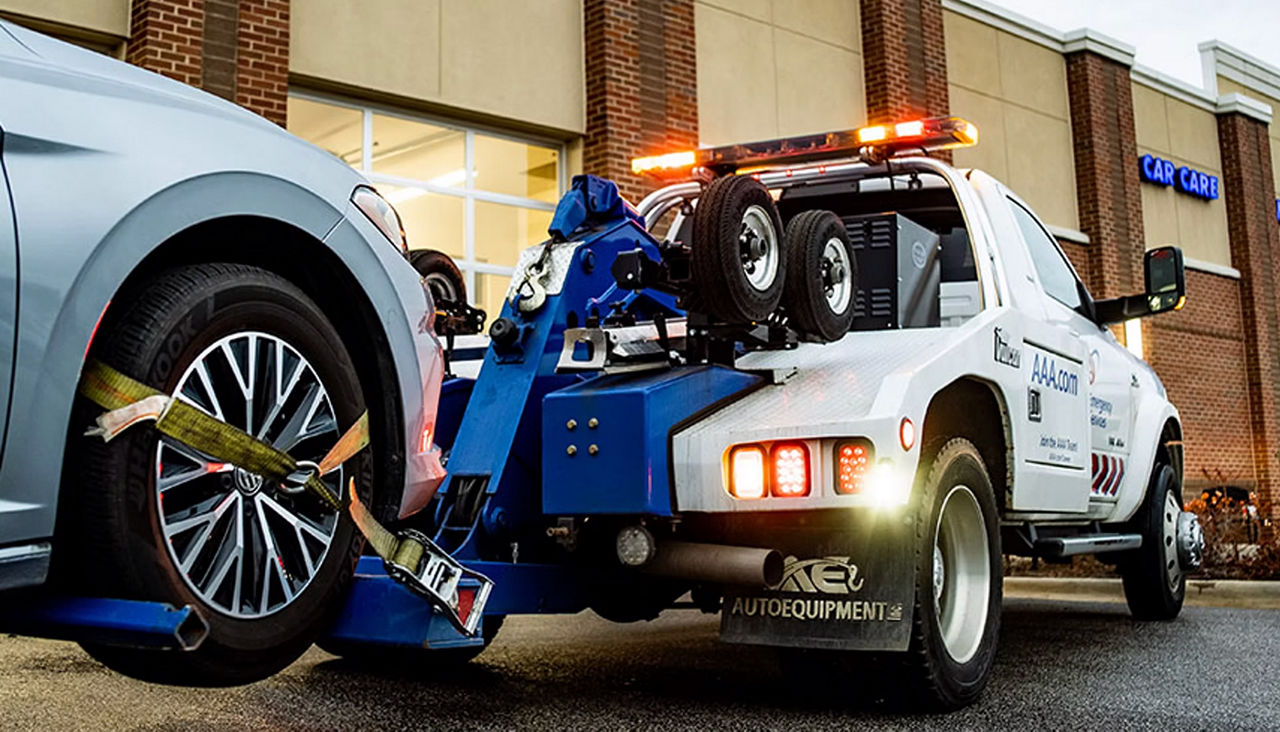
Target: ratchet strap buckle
422	567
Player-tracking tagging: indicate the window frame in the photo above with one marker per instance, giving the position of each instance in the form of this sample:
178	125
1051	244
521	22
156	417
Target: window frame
1085	307
467	192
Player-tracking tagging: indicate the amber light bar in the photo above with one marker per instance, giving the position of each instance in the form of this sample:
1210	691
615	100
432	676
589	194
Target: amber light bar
873	143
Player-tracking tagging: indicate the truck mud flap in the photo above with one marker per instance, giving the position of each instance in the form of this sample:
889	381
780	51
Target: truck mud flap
851	590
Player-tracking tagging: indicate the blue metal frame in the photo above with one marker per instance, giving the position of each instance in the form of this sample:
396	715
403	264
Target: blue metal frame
499	439
381	612
109	622
615	458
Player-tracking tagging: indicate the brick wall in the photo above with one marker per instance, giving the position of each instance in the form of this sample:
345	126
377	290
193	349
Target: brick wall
904	59
1199	354
641	74
1107	192
237	49
165	37
1079	255
1249	191
262	70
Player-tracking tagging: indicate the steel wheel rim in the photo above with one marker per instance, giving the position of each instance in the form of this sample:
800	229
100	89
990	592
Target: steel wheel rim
441	288
837	282
1169	538
244	547
758	245
961	574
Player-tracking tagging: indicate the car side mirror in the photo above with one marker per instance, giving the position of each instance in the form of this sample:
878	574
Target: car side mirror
1166	283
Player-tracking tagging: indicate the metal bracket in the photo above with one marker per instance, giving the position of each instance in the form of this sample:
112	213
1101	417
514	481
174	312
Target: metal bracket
436	576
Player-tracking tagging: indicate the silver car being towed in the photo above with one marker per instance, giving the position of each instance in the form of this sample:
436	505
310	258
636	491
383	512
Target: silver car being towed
204	251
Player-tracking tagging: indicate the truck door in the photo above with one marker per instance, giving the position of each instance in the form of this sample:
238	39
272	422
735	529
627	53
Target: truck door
1112	380
1054	446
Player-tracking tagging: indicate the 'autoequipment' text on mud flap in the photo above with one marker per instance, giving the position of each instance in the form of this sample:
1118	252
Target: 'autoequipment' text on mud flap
854	592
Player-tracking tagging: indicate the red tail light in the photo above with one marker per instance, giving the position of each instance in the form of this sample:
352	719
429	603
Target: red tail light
853	463
790	470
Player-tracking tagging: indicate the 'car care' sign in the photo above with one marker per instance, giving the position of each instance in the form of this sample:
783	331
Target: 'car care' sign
1188	180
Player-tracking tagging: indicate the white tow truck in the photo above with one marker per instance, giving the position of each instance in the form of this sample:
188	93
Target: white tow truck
938	388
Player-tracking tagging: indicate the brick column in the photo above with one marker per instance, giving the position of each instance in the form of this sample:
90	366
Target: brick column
165	37
1106	159
237	49
1249	192
904	59
642	85
262	68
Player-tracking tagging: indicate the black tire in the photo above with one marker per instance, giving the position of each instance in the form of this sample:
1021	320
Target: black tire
1148	587
112	530
405	658
933	676
443	278
812	278
724	290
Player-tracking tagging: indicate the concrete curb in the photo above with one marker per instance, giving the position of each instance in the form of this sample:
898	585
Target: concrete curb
1206	593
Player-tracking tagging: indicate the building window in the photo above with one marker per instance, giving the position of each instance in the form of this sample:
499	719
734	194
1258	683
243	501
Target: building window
479	196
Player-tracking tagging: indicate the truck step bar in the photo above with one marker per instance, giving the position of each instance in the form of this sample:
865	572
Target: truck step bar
1069	546
108	622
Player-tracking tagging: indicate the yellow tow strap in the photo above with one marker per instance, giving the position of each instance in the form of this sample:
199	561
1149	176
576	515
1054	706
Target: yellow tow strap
431	574
129	402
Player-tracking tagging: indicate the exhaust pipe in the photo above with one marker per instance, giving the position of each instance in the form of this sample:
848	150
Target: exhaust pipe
713	563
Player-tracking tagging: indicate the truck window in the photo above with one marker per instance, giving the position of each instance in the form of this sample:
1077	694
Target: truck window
1056	275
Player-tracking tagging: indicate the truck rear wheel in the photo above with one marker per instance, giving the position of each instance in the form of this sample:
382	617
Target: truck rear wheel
1154	583
959	590
738	263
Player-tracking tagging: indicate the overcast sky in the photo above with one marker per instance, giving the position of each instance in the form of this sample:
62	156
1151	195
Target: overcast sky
1166	32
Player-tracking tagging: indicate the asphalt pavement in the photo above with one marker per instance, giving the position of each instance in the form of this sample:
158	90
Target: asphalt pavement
1061	665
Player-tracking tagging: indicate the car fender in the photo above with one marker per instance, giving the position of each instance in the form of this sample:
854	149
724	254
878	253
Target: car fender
60	310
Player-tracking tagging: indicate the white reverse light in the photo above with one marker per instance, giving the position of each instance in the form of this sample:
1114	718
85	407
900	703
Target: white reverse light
886	486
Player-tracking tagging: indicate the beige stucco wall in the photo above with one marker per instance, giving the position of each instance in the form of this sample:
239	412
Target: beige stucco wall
1227	86
1015	91
103	16
1184	135
519	61
775	68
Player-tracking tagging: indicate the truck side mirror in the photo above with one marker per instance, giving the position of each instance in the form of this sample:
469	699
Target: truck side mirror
1166	279
1166	289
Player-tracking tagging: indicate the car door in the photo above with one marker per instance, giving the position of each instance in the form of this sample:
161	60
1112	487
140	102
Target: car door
1055	445
8	270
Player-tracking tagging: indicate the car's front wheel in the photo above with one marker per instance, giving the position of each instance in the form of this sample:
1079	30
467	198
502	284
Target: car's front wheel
149	518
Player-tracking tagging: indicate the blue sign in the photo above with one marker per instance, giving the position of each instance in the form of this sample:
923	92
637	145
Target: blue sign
1188	180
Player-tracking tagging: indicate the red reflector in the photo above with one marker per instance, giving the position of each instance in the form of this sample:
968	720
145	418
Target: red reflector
790	470
907	434
853	462
466	600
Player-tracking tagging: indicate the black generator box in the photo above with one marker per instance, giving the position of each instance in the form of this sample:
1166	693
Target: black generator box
899	273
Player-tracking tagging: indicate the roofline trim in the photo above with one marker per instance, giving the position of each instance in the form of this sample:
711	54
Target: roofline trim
1080	39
